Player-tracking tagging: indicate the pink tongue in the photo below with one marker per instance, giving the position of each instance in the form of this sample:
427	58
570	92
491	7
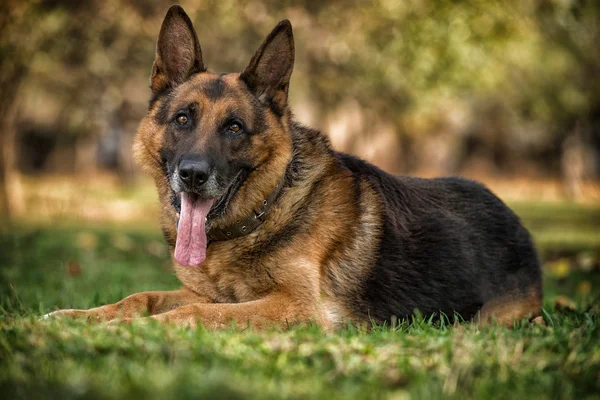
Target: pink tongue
190	248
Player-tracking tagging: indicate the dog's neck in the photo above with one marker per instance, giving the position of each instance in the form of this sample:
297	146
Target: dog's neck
246	225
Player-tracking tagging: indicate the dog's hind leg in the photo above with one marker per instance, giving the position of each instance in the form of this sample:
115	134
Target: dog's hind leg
510	308
139	304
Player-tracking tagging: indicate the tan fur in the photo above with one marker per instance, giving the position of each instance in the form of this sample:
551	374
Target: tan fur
510	309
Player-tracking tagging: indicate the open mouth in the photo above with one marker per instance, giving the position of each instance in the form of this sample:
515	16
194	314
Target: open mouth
221	205
195	213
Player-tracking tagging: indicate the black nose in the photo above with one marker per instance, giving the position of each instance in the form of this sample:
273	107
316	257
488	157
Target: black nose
193	173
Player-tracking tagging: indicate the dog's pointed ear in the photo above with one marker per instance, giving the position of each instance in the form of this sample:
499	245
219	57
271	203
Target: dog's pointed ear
178	53
268	74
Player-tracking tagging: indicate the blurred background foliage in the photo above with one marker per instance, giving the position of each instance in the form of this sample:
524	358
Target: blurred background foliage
478	87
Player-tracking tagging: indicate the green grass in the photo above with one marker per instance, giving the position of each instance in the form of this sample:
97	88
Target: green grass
46	268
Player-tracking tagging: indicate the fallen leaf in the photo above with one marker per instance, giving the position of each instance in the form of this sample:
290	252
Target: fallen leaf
86	240
584	288
539	321
122	242
73	268
563	303
394	377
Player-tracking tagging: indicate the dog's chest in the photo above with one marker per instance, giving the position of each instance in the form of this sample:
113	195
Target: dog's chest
228	282
240	283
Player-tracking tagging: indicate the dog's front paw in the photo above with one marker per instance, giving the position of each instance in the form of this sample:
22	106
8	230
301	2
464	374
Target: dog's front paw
72	314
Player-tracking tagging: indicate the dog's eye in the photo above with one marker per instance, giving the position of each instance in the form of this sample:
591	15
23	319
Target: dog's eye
234	128
181	119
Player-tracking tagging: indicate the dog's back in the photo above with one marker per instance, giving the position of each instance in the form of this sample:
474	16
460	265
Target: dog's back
448	244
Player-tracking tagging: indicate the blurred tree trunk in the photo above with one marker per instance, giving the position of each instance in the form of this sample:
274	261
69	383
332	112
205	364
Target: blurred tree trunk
16	56
10	189
10	193
4	204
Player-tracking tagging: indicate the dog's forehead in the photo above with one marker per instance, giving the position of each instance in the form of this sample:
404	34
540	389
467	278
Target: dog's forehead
208	88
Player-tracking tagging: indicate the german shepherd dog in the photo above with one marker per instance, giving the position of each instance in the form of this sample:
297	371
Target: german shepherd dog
268	225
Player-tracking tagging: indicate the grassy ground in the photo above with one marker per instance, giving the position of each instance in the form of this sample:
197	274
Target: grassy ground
45	267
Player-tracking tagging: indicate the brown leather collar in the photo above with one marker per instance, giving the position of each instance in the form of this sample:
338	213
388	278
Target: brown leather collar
249	224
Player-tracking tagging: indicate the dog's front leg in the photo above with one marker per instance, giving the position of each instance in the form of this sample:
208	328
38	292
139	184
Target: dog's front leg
276	309
144	303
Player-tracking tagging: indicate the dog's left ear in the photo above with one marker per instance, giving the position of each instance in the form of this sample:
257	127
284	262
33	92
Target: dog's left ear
268	74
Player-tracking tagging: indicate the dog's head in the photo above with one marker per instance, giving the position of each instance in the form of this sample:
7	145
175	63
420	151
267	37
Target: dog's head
216	144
